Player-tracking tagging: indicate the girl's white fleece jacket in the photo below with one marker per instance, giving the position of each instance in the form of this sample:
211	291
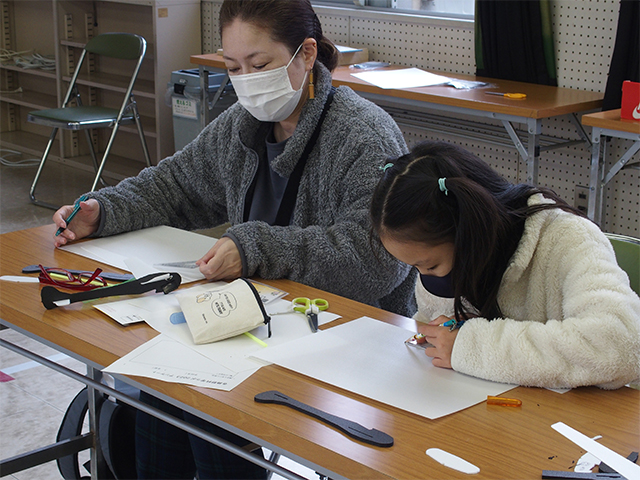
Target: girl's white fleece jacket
571	318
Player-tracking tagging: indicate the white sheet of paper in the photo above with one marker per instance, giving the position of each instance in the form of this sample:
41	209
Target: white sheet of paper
165	359
236	353
143	250
402	78
369	357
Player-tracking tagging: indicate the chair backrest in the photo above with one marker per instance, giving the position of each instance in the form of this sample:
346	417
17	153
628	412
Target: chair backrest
628	256
127	46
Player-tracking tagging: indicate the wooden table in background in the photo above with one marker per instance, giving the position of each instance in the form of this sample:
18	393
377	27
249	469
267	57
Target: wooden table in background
542	102
607	124
504	442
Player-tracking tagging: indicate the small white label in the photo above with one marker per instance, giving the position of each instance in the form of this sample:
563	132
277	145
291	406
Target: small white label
183	107
449	460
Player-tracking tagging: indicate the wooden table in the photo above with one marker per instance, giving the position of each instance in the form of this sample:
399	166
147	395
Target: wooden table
506	443
542	102
607	124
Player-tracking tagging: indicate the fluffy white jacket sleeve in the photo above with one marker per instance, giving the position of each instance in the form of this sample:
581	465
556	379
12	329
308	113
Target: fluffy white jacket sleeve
571	318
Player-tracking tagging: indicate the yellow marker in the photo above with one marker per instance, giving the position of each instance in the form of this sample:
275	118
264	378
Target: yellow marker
255	339
516	96
503	402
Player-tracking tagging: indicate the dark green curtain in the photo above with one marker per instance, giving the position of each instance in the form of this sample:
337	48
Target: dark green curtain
625	61
514	41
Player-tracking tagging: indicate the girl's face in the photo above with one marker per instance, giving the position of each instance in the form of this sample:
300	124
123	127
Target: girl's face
435	260
249	49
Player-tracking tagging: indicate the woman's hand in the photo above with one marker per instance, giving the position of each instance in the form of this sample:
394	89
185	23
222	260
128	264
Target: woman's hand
83	224
442	339
222	262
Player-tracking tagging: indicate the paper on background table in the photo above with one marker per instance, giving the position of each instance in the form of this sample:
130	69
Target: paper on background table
142	249
369	357
165	359
402	78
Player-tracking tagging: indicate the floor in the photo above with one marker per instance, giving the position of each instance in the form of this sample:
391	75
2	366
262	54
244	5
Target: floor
33	398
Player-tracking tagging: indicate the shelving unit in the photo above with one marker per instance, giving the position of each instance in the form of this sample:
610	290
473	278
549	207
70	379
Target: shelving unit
60	28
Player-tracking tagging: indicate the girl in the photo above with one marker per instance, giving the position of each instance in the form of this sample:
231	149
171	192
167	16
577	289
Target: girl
532	287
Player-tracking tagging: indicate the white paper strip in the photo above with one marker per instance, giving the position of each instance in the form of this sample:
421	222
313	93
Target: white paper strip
620	464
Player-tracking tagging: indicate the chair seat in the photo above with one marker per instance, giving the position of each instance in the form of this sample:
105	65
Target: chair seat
78	118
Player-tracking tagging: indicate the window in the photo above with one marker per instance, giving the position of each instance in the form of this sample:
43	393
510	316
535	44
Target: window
441	8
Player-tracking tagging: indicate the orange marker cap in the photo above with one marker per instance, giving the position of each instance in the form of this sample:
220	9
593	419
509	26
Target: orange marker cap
503	402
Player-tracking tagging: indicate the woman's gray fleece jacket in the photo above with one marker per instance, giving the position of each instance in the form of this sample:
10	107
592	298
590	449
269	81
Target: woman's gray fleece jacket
327	245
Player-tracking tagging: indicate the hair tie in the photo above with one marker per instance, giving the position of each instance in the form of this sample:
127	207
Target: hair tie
443	187
384	167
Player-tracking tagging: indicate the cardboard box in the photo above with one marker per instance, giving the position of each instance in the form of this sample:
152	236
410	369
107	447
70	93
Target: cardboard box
352	57
630	109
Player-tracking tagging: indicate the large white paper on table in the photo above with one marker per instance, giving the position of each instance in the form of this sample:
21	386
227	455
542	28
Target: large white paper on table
166	359
402	78
162	313
235	353
146	251
369	357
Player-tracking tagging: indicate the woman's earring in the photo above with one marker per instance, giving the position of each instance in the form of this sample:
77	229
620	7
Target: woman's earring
311	87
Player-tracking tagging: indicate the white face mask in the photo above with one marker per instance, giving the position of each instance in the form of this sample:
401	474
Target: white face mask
268	95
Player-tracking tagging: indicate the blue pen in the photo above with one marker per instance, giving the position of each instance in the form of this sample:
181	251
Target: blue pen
452	323
76	209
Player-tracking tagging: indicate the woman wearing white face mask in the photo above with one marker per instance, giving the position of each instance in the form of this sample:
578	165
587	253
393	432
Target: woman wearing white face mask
291	167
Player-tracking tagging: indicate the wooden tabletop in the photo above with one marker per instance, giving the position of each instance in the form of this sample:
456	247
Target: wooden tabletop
504	442
610	119
542	101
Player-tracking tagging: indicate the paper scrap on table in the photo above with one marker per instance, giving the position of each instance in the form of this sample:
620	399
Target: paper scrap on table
369	357
163	358
402	78
622	465
142	250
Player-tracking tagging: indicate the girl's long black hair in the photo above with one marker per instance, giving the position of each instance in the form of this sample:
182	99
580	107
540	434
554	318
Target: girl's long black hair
482	215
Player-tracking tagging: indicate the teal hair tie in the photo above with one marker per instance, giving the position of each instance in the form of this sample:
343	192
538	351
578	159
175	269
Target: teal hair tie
384	167
443	187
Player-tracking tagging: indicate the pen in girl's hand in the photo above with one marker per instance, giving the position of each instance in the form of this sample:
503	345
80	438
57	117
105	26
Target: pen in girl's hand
76	209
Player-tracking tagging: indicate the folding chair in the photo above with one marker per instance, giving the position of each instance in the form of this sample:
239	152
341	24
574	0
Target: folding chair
627	250
125	46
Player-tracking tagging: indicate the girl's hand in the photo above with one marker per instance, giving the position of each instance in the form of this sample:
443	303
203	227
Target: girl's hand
83	224
442	339
222	262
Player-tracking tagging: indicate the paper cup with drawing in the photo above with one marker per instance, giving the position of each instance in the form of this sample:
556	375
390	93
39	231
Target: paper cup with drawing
224	312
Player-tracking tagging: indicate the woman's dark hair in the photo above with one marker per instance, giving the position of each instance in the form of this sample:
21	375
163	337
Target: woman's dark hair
482	215
289	21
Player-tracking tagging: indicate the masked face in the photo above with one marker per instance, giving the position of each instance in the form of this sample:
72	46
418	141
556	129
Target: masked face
268	95
268	80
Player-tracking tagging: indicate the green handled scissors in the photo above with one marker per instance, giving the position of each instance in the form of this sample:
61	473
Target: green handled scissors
310	308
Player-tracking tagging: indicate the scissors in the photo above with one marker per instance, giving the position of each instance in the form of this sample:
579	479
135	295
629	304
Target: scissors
310	308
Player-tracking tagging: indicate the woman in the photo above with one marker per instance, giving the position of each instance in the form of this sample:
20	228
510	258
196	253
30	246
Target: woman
291	166
242	168
532	287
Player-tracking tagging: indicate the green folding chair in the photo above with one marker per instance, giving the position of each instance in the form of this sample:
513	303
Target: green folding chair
627	251
125	46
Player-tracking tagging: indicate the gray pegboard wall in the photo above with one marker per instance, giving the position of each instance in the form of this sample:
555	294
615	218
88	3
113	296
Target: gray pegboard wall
584	32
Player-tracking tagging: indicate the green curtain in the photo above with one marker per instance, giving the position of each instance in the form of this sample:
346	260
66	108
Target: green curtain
514	40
